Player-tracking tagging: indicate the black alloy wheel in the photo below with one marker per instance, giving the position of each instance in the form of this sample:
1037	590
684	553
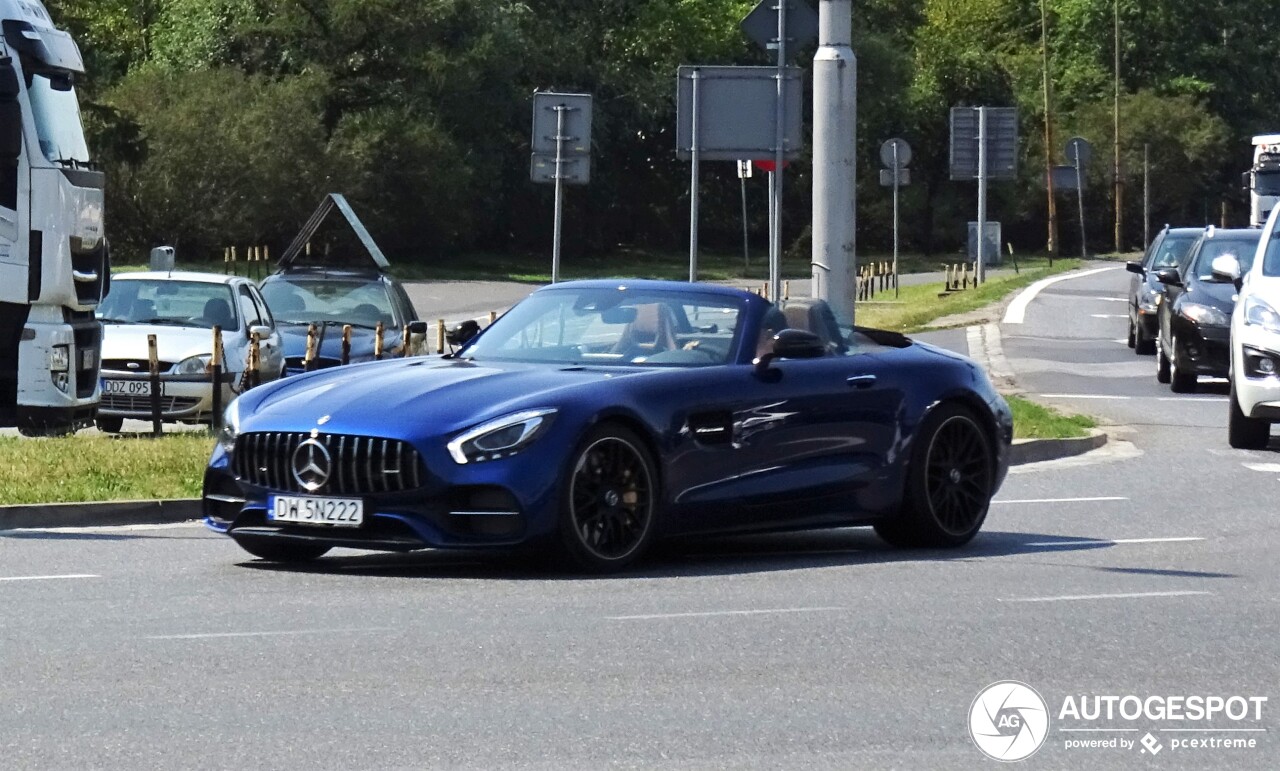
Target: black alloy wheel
611	498
949	483
1133	334
1162	365
1143	345
1180	381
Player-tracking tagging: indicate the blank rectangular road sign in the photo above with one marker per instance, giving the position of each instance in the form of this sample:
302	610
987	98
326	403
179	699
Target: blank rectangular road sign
575	169
736	113
1002	143
577	122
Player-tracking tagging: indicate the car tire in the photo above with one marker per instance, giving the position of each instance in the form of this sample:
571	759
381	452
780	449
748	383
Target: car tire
283	551
108	424
1162	365
1244	432
1180	381
1143	345
949	483
609	502
1133	334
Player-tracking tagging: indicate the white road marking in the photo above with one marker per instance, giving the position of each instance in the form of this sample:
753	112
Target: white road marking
1191	398
1018	308
222	635
194	524
1125	596
1113	299
1066	500
1104	541
1086	396
49	578
709	614
1109	316
1114	397
1266	468
1122	341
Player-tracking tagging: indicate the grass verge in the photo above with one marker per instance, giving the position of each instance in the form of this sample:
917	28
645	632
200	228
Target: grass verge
1035	421
918	306
84	469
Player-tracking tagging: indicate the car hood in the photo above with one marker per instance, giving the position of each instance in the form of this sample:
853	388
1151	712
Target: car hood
294	339
1217	295
173	344
417	396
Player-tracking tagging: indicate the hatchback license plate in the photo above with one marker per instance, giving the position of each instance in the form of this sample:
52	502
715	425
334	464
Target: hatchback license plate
126	388
328	512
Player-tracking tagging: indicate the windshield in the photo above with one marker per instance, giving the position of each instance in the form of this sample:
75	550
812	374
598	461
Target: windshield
57	118
1173	249
1266	182
611	326
1242	248
174	303
357	302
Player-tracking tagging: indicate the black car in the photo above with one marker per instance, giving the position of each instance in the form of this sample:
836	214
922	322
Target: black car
1167	250
331	298
1195	317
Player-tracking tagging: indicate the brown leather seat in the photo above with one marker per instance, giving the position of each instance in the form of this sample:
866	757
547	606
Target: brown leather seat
816	316
653	330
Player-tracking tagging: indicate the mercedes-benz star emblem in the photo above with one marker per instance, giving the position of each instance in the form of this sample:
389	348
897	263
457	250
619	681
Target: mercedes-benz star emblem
311	465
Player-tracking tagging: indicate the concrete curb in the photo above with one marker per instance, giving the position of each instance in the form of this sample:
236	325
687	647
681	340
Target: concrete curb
1036	450
116	513
50	515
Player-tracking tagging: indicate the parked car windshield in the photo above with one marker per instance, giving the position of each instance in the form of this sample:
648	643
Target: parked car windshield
169	302
1173	249
607	326
1240	247
359	302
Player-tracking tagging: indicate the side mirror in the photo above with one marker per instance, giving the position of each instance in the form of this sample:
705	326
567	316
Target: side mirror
1135	267
463	332
792	344
1226	269
261	330
1169	277
417	327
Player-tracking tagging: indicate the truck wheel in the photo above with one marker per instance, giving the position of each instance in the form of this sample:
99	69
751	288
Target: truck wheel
1244	432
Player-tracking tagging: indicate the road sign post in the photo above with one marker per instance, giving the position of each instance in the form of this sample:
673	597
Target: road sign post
896	155
1080	151
561	152
744	173
694	191
984	146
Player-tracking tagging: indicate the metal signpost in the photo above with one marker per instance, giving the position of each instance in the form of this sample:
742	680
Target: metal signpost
728	114
896	156
984	146
561	151
1080	152
744	173
783	26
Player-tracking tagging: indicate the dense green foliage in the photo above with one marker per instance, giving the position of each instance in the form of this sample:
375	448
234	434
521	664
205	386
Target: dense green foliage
225	121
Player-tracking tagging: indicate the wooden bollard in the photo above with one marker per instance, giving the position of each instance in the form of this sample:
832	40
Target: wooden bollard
255	361
493	316
346	344
377	342
786	290
440	336
404	342
153	359
215	375
309	358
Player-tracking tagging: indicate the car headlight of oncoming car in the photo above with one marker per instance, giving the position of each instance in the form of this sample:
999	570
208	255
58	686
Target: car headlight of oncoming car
1205	315
1261	314
230	426
1149	299
500	438
193	365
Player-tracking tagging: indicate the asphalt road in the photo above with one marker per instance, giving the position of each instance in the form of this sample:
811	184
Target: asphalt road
1143	569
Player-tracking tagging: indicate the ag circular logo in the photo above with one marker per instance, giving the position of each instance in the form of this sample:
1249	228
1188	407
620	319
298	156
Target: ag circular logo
1009	721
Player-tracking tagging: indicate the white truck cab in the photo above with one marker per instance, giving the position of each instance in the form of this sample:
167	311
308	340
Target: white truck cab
1262	180
54	262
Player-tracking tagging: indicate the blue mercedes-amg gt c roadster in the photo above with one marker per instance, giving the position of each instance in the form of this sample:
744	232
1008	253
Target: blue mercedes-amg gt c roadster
596	417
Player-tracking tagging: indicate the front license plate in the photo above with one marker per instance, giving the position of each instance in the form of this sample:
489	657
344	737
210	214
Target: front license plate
126	387
330	512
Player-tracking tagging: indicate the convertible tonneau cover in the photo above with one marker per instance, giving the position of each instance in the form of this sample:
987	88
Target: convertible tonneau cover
332	201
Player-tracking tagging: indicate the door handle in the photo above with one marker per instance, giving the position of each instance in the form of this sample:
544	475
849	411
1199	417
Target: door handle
861	381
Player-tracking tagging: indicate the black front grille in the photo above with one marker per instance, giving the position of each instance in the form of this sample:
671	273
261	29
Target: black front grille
168	404
88	337
358	465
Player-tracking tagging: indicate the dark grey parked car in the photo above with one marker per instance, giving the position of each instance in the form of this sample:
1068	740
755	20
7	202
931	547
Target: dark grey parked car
1167	250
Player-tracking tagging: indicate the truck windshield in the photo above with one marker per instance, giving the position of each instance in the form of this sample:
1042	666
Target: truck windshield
57	118
1266	183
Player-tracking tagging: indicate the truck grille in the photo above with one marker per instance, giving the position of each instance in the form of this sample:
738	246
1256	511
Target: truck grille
357	465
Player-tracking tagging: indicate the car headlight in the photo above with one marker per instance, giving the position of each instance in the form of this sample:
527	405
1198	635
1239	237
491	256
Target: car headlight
230	426
499	438
1149	299
1258	313
194	365
1205	315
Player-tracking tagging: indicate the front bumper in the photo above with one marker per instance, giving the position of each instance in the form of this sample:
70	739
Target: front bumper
1258	395
1202	350
182	398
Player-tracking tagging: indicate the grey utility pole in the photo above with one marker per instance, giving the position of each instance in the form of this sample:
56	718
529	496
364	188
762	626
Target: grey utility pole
779	149
835	114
